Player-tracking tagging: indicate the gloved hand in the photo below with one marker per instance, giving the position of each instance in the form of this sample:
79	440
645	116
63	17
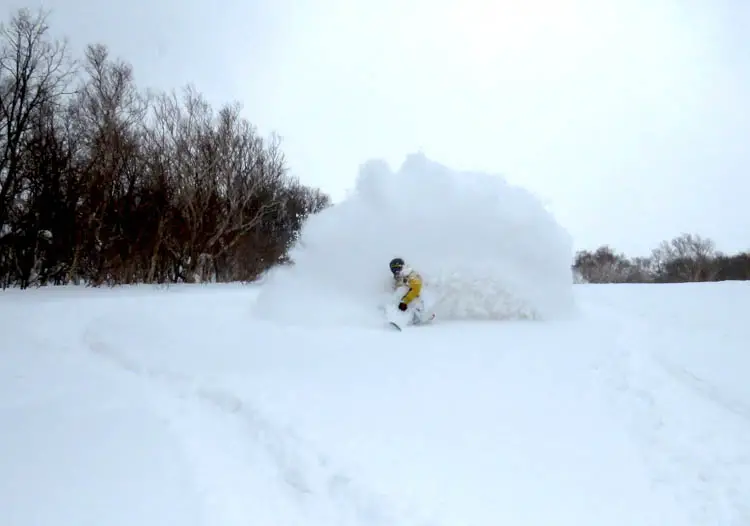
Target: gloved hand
402	306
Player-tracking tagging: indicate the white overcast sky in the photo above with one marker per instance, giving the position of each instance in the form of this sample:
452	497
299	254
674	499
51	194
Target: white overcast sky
630	118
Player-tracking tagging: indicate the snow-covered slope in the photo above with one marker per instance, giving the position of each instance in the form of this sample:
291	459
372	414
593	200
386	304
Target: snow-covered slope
213	405
148	406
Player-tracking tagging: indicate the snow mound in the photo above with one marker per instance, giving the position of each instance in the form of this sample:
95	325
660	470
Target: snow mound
487	250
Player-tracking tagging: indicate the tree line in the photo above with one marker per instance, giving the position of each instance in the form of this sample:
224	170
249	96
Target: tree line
104	183
686	258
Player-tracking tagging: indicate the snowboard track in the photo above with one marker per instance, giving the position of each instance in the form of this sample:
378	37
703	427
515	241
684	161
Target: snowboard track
308	472
642	384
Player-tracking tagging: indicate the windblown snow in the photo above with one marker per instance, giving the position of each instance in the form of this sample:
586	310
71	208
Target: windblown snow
206	406
487	250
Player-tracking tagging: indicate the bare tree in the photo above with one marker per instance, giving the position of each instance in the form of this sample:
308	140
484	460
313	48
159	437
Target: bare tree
687	257
35	71
605	266
250	168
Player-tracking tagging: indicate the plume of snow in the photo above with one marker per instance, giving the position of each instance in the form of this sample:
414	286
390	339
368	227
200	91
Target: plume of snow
486	249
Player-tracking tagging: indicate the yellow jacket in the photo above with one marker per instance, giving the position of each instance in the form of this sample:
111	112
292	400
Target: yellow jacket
412	280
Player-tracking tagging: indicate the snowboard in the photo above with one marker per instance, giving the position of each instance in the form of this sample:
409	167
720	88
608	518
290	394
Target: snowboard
397	320
400	327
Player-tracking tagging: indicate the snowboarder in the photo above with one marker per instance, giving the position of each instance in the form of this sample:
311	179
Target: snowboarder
410	282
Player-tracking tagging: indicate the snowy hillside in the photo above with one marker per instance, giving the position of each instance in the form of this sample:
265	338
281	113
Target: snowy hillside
146	406
530	401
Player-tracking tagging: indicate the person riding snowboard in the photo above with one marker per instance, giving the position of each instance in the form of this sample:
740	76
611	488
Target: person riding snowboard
404	276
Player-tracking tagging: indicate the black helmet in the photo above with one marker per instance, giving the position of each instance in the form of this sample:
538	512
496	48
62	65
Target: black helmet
397	264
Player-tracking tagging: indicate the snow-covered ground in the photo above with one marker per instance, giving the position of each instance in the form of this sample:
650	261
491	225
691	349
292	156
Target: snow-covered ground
291	403
152	406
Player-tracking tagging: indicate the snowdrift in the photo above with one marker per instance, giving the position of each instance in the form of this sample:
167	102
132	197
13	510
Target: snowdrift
488	250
